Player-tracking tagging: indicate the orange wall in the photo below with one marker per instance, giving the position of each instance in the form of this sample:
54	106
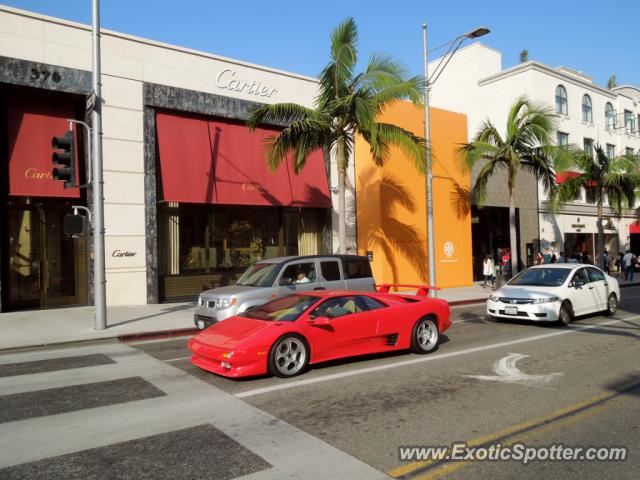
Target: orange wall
391	204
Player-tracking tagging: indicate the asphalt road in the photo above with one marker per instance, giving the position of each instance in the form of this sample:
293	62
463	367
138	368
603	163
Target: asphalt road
577	386
371	406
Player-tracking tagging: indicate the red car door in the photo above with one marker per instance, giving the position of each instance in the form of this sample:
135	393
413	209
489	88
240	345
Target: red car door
349	331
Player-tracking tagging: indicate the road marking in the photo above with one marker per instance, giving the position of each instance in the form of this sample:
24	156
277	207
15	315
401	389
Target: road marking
430	358
176	359
528	429
507	371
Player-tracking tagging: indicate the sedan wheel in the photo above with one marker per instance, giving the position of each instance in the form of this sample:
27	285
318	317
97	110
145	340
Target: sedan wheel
612	305
425	336
288	356
565	316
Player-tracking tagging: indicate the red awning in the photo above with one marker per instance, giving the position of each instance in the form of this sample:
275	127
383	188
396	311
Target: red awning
634	227
210	161
562	176
241	173
310	187
32	121
185	159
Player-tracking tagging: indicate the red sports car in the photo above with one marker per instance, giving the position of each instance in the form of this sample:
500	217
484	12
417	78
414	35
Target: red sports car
285	335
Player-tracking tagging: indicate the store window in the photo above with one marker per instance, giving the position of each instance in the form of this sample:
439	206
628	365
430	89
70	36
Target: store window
587	111
561	100
208	246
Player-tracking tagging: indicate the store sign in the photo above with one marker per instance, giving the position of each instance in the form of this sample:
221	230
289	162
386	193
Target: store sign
229	80
123	253
253	187
35	174
449	250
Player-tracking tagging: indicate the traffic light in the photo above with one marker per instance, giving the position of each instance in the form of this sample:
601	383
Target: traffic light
64	160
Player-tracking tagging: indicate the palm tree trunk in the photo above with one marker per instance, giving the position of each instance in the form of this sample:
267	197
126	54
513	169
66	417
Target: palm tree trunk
600	232
342	181
513	237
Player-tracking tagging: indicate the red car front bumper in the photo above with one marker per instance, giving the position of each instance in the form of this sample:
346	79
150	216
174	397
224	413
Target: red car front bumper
240	364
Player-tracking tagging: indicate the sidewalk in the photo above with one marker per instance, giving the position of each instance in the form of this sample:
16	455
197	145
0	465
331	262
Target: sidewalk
76	324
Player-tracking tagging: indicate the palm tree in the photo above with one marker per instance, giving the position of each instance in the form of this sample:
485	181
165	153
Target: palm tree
613	178
526	145
348	104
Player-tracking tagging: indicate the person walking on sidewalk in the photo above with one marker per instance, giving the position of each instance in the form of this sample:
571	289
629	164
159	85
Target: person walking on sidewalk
487	271
629	261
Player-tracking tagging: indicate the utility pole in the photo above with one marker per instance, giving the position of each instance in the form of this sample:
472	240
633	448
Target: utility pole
99	280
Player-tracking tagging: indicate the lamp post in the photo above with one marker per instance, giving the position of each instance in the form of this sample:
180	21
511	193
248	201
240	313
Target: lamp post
428	81
99	280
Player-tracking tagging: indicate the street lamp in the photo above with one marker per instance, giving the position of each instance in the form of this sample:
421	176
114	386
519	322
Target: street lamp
454	45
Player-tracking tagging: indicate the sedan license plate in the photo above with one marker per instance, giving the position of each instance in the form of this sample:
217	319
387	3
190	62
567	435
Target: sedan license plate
510	310
200	324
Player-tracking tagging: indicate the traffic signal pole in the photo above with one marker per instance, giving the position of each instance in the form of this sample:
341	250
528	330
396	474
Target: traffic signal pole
99	279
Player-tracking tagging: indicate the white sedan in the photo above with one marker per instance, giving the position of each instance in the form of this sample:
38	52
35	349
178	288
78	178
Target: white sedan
555	292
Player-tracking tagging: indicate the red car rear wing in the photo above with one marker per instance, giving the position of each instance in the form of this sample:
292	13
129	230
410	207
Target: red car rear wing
421	290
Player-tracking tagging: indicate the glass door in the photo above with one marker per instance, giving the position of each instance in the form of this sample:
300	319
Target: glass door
46	267
26	257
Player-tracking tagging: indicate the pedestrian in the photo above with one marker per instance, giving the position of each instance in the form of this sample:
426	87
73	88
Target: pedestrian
629	261
578	257
562	258
606	260
554	258
539	259
487	271
506	263
620	264
546	258
586	258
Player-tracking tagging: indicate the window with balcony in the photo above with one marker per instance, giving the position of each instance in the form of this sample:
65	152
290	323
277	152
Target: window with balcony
628	121
587	110
588	146
561	100
563	139
609	116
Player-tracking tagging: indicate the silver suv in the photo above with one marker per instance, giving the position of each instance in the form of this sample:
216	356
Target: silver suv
277	277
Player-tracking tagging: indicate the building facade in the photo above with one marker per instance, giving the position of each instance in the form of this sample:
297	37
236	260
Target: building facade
588	115
391	205
189	201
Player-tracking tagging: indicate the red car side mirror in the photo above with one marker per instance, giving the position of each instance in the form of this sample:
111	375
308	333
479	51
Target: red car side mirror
320	321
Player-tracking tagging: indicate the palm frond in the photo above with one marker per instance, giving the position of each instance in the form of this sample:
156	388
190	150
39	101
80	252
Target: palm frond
278	114
337	75
411	145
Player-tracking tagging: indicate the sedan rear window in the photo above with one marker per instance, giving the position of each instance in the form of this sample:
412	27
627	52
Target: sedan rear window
541	277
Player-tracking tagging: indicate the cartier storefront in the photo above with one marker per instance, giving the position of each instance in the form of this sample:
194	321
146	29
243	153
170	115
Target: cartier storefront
41	267
189	201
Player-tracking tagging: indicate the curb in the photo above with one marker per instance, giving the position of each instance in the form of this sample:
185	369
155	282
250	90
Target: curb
180	332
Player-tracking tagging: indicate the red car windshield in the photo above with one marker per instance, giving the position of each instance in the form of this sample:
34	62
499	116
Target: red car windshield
285	309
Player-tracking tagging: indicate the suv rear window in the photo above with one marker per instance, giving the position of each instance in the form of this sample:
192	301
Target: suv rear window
330	270
357	268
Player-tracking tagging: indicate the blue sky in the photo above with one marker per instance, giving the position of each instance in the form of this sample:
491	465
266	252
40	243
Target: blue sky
598	38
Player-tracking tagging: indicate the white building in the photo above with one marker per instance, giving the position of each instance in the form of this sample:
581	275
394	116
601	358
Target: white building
168	112
475	83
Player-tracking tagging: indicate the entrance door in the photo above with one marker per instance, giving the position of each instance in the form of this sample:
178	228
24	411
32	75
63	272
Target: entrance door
46	268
